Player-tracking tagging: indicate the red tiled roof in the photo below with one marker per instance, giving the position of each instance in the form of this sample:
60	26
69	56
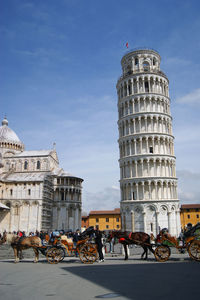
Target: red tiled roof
187	206
105	212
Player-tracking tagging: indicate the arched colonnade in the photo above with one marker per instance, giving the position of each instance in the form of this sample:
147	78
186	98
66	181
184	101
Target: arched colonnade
143	84
149	103
67	194
145	124
23	215
151	218
28	165
161	145
12	146
149	190
152	167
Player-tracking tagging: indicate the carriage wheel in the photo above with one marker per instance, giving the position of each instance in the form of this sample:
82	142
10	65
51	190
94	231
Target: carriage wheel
194	250
55	255
88	253
62	254
162	253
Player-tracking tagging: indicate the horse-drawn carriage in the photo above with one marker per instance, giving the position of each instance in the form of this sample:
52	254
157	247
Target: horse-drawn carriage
57	249
162	244
189	241
62	247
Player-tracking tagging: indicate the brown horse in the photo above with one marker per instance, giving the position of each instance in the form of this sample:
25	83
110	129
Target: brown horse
21	243
129	238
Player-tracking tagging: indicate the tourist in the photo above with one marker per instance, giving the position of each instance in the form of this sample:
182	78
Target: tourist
98	241
76	239
112	242
42	237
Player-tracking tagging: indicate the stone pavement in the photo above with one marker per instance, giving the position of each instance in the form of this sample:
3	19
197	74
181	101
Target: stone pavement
6	252
115	278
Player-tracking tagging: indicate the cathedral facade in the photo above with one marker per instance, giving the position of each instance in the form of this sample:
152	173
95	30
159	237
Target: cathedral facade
35	193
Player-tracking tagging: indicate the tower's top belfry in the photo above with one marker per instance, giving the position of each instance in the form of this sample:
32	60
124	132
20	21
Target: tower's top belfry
141	61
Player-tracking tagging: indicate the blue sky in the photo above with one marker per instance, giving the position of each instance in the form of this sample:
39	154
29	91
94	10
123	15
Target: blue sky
59	64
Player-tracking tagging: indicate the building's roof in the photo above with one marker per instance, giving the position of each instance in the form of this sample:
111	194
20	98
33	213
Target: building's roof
34	153
23	177
3	206
66	174
7	135
31	176
57	171
105	212
190	206
61	173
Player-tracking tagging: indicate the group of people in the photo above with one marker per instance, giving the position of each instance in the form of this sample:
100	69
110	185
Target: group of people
97	235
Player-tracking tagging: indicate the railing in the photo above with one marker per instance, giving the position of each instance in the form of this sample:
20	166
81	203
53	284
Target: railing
139	72
140	48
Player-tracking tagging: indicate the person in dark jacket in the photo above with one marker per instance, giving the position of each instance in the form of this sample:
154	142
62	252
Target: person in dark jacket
98	241
76	239
42	236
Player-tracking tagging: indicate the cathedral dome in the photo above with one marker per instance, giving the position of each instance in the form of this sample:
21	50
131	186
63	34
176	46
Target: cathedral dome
8	137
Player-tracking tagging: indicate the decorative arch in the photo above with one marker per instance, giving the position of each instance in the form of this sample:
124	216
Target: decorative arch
26	165
151	219
146	64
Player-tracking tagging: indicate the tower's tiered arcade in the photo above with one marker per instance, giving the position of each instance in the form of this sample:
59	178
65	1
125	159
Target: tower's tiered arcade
148	180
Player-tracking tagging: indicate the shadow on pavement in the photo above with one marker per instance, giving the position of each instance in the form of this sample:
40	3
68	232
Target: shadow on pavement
178	280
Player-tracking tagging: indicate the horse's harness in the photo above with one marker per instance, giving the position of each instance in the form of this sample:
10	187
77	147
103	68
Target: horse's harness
130	240
17	241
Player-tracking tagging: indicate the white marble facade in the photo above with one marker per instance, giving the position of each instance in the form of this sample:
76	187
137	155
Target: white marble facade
148	182
38	194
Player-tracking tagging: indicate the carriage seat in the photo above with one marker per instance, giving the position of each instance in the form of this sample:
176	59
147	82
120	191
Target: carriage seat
65	240
193	231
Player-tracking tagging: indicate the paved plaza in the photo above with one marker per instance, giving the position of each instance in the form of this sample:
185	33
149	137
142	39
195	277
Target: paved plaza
115	278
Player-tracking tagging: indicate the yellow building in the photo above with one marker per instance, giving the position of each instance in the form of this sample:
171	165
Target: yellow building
105	219
190	213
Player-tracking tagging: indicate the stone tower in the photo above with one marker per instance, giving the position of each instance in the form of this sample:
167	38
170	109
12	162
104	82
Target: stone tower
148	180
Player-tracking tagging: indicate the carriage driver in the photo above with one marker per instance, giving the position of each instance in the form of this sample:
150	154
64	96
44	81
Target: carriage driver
98	241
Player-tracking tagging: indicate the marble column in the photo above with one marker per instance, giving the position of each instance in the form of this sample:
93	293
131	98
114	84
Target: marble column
144	220
169	221
132	221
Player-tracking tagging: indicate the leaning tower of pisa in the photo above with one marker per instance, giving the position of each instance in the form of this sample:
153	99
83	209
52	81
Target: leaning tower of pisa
148	180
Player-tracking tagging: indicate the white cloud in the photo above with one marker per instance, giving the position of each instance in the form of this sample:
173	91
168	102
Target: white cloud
188	186
34	11
107	199
27	5
47	55
190	98
115	187
176	61
187	134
